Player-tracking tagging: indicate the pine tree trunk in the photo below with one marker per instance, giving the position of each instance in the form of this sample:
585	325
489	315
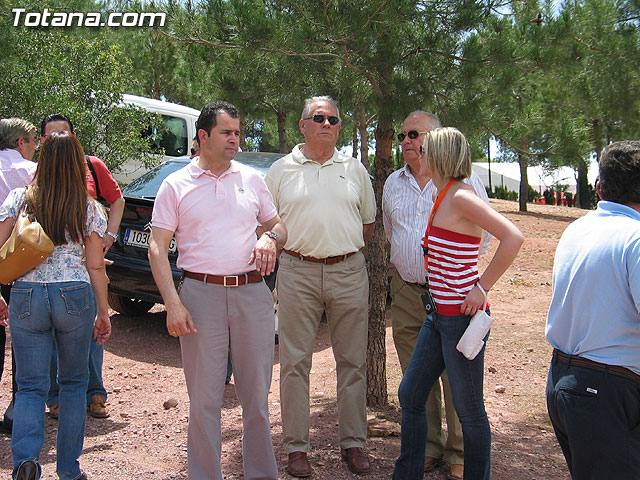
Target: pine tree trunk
583	200
524	180
354	151
378	262
243	134
364	141
282	134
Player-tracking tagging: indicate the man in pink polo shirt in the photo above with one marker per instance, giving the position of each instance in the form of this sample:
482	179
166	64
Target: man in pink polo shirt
213	206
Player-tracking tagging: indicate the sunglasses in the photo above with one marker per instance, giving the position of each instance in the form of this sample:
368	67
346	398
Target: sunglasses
321	118
412	134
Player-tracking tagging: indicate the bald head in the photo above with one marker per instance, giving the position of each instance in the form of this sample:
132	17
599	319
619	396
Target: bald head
416	125
428	121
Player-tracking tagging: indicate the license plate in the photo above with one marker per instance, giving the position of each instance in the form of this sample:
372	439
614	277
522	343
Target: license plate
136	238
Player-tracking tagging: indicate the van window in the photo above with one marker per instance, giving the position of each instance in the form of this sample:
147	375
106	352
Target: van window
173	138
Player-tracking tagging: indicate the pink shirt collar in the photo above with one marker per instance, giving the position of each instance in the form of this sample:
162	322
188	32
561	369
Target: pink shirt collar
195	171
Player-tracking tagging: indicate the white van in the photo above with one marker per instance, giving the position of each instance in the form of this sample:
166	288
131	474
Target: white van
180	122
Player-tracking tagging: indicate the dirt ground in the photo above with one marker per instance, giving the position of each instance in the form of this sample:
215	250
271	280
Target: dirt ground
142	370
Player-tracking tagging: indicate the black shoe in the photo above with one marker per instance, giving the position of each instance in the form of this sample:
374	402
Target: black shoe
28	470
6	424
6	427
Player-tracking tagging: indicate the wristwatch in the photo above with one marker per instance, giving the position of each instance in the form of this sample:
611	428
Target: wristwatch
272	234
113	235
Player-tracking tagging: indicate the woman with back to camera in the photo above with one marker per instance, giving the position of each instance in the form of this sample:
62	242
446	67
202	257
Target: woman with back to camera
57	295
453	242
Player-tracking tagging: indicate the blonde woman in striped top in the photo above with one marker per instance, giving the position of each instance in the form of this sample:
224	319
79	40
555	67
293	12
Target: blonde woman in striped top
452	246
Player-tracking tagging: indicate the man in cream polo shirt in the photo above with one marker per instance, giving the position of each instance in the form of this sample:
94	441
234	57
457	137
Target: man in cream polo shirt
326	201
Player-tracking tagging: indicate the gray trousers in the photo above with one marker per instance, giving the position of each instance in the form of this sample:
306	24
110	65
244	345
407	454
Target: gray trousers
242	318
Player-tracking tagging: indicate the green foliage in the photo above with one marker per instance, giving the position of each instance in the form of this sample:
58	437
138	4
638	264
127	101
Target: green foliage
569	198
549	196
533	193
503	193
53	72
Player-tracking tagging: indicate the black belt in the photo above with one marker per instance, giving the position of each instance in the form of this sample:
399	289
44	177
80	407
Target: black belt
593	365
227	280
326	261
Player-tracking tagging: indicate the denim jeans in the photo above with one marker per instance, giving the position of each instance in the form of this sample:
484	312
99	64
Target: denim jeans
35	309
435	350
95	387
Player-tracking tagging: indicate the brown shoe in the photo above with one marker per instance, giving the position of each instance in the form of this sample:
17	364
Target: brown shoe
457	472
298	465
53	410
431	463
97	408
356	459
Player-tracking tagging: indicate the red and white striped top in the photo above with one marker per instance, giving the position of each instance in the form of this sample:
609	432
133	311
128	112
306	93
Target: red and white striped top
452	268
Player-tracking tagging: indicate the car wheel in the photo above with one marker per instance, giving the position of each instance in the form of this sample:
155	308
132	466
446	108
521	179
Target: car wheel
128	306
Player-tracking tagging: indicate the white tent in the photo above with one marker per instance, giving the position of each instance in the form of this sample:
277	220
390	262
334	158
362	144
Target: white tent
508	175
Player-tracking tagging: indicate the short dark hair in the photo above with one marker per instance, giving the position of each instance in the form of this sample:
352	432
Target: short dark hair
207	119
55	117
620	172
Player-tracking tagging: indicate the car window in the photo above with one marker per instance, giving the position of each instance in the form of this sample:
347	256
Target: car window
148	184
172	137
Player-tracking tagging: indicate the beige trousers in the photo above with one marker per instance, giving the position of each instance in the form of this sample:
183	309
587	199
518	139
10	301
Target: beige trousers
305	290
240	318
408	315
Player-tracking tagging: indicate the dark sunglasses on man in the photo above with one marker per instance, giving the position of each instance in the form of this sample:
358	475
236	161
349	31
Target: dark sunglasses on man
321	118
412	134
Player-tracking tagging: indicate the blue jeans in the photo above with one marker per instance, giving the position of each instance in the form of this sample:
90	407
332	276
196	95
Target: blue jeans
229	366
35	309
95	387
435	350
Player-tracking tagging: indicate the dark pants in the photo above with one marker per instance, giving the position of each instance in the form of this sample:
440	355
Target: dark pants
596	418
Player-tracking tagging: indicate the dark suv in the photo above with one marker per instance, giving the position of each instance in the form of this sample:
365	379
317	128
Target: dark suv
132	290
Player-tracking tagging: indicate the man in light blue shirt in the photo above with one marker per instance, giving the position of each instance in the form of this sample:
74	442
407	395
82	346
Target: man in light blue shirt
593	390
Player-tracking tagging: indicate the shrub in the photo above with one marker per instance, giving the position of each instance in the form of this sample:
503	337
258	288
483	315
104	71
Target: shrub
549	197
504	194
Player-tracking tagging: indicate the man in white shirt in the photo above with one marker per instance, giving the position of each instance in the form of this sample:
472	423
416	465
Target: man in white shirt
18	145
406	205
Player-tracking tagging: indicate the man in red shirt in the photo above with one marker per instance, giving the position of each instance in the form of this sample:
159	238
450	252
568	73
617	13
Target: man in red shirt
104	188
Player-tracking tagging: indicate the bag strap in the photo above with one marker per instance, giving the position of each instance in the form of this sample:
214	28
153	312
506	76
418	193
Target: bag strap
433	213
484	292
92	169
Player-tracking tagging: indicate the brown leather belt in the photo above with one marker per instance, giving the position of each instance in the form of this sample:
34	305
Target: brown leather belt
593	365
227	280
326	261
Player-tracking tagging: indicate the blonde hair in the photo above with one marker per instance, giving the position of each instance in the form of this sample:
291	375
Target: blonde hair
13	129
447	153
